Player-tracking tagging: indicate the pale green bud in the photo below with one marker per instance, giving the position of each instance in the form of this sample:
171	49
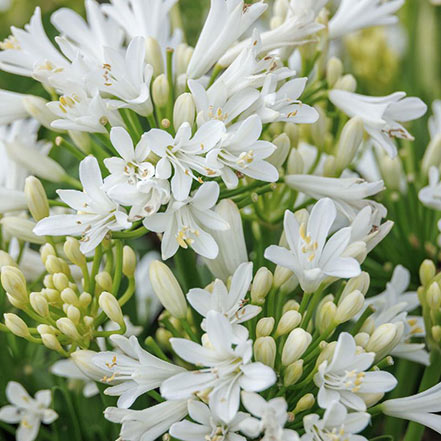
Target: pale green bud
391	172
109	304
183	56
265	326
16	325
325	315
38	109
436	333
45	251
160	91
362	339
184	110
6	260
154	55
21	229
296	164
73	253
283	145
39	304
104	280
265	350
85	299
84	362
46	329
433	296
350	139
334	71
68	328
60	281
290	305
14	283
292	373
74	314
163	337
432	155
36	198
292	131
281	275
305	403
68	296
261	286
296	344
346	82
427	272
51	342
129	261
288	321
81	140
360	283
368	326
349	307
381	337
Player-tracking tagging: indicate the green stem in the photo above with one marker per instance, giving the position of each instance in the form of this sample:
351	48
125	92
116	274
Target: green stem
130	234
117	275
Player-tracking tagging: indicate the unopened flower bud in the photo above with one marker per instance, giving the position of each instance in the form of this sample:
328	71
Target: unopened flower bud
129	261
290	305
427	272
436	333
292	131
85	299
281	275
163	337
261	286
327	352
160	91
305	403
111	307
14	283
433	296
60	281
84	361
265	350
51	342
46	329
296	344
349	142
325	315
391	172
21	229
73	253
292	373
74	314
346	82
104	280
288	321
334	71
16	325
362	339
264	327
360	283
6	260
283	145
368	326
53	264
36	198
184	110
295	165
82	140
381	337
432	155
167	288
183	55
154	55
45	251
349	307
39	304
68	328
68	296
38	109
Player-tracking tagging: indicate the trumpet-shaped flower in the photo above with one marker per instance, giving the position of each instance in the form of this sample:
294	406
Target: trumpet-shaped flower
430	195
207	425
311	256
96	216
27	411
345	377
183	221
228	368
381	115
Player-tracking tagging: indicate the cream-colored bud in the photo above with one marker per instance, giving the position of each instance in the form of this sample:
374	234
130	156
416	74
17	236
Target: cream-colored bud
36	198
82	140
346	82
73	253
38	109
360	283
350	140
281	275
163	337
295	164
288	321
74	314
305	403
68	328
290	285
160	91
329	166
334	71
368	326
51	342
183	55
371	399
45	251
275	22
184	110
292	131
362	339
265	350
68	296
436	333
46	329
6	260
265	326
129	261
167	288
427	272
327	352
296	344
84	361
88	321
381	337
319	129
283	146
290	305
325	315
292	373
53	264
433	296
111	307
104	280
432	155
383	348
51	295
16	325
48	281
21	229
349	307
39	303
85	299
14	283
261	286
391	172
154	55
60	281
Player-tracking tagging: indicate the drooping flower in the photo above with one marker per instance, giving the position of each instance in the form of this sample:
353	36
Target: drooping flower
311	256
27	411
346	376
228	368
96	216
183	221
381	115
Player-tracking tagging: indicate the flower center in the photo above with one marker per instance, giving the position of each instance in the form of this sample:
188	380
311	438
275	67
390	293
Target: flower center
10	43
309	246
184	238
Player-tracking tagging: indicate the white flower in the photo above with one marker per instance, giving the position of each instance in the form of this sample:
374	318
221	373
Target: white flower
227	20
126	77
231	303
311	256
68	369
336	423
96	216
381	115
228	368
148	424
435	120
242	150
348	194
207	425
345	377
185	153
182	223
29	52
11	107
430	195
353	15
421	408
29	412
132	177
135	370
271	418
